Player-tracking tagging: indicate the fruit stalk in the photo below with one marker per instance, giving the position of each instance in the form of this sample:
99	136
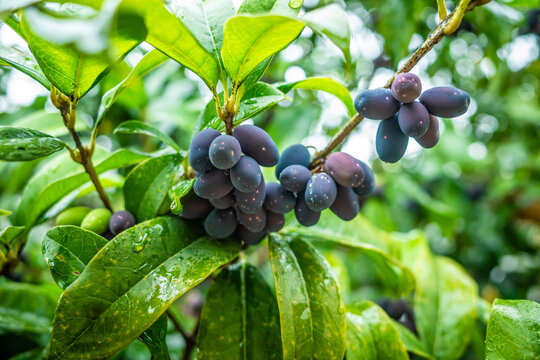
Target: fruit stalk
433	39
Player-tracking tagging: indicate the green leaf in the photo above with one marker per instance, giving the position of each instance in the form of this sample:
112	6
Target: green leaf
26	308
11	236
4	212
397	278
147	185
250	40
240	317
326	84
411	342
22	144
331	21
311	307
445	304
177	192
257	99
371	334
67	250
276	7
72	72
60	177
138	127
155	339
25	63
513	330
128	285
149	62
206	20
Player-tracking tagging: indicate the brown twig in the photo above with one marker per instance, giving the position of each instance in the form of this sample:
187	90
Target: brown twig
433	39
83	155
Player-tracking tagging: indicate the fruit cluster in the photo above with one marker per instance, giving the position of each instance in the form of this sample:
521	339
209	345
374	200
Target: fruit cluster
404	116
100	220
231	194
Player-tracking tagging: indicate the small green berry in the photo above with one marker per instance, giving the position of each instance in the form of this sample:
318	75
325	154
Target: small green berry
72	216
97	221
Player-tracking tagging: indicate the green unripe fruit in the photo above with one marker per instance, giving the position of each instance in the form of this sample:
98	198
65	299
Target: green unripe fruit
97	221
72	216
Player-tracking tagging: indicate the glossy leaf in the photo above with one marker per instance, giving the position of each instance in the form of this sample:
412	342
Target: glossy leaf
326	84
257	99
130	283
155	339
331	21
276	7
25	63
177	192
147	185
138	127
444	305
71	72
312	310
67	250
149	62
206	20
397	278
240	318
513	330
371	334
60	177
21	144
26	308
411	342
250	40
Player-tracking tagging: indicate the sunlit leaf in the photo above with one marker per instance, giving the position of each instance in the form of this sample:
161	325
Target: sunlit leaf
24	62
250	40
128	285
326	84
276	7
240	318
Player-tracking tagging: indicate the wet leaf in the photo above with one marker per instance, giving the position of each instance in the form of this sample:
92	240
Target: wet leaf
411	342
22	144
155	339
128	285
250	40
138	127
513	330
371	335
25	63
149	62
147	185
177	192
326	84
397	278
312	310
26	308
240	317
67	250
276	7
60	177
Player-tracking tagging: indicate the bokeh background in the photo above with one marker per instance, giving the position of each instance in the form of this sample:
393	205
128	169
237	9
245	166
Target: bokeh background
476	195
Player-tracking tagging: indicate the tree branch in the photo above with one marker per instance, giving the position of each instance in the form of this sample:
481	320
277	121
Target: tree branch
83	156
433	39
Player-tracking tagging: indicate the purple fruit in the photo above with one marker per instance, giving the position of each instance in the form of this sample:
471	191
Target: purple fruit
344	169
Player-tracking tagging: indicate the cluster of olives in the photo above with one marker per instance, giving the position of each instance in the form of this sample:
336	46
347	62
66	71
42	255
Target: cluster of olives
230	192
404	116
100	220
